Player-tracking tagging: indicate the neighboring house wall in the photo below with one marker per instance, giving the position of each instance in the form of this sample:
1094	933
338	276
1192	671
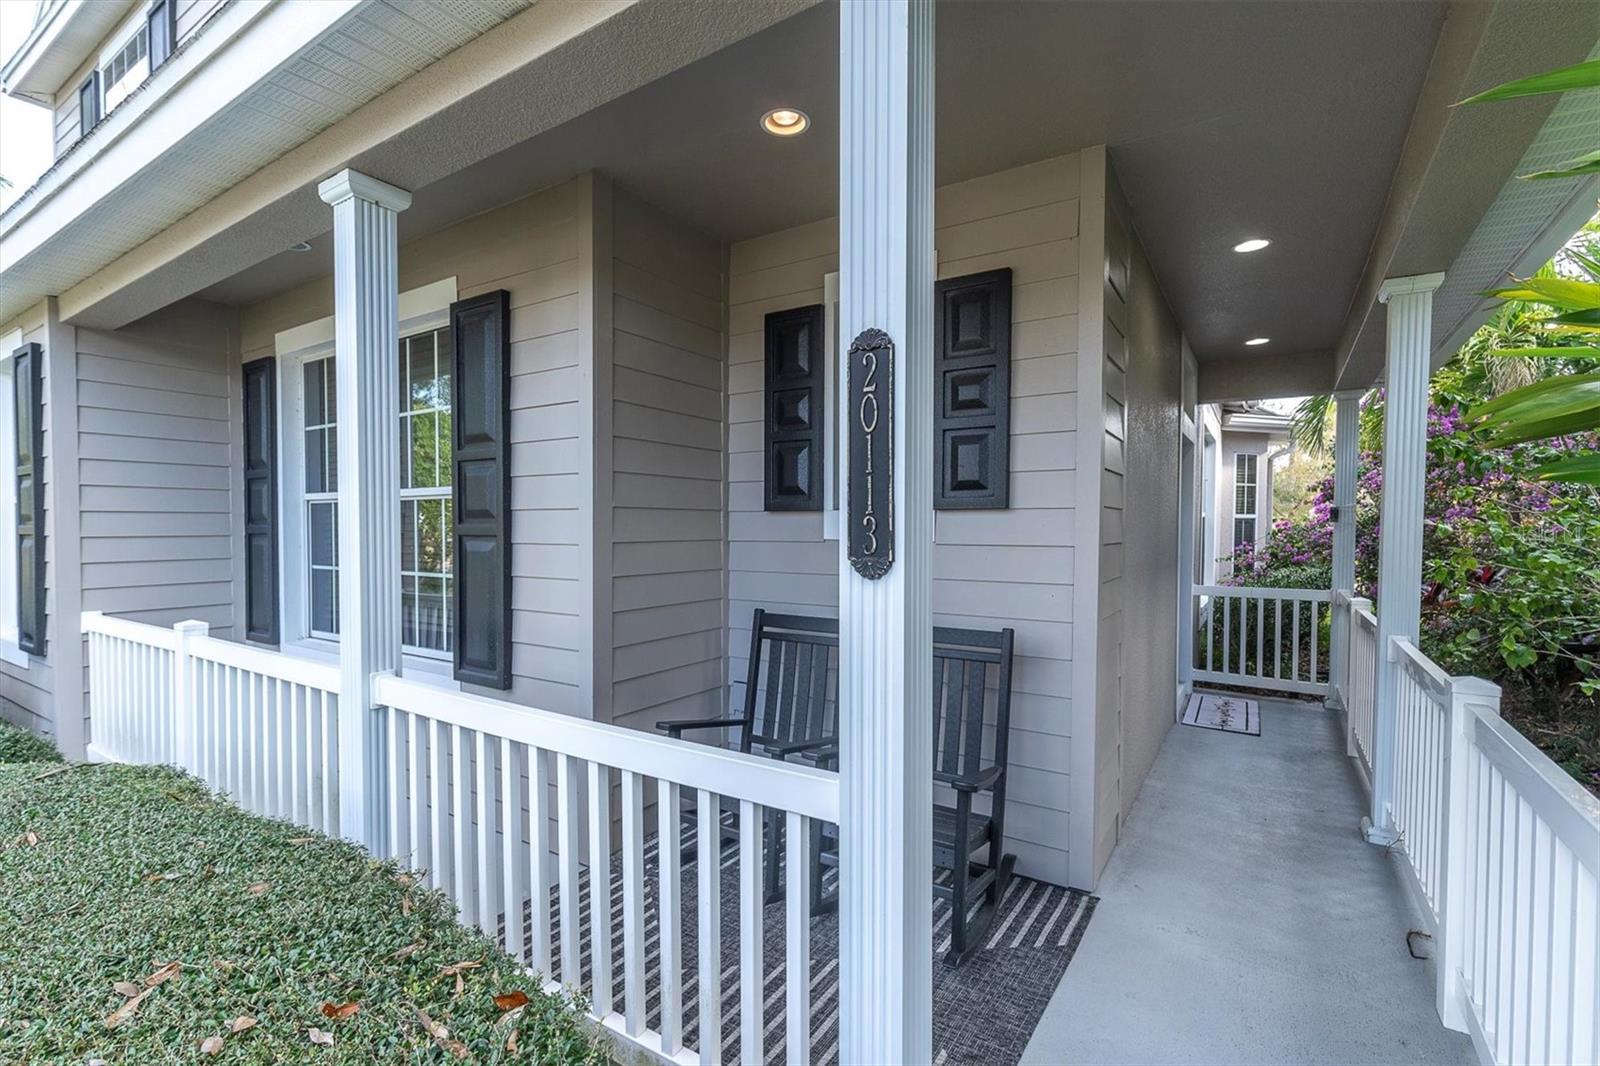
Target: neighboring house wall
1236	443
666	489
990	568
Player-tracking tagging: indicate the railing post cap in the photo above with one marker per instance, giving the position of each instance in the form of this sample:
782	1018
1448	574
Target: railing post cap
192	626
1470	685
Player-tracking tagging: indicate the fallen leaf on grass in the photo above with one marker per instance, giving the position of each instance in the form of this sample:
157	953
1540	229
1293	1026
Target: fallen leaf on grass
408	950
211	1045
258	888
28	839
52	773
405	905
511	1000
242	1023
127	989
441	1035
457	969
302	840
340	1011
320	1038
162	974
511	1043
172	875
128	1009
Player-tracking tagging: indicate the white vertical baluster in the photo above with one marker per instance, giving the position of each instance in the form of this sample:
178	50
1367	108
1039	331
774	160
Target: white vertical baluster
1261	635
461	814
797	932
1294	646
708	862
1315	632
571	914
421	857
669	841
513	859
752	1023
539	858
1227	629
330	760
399	846
600	887
633	903
280	750
488	882
441	875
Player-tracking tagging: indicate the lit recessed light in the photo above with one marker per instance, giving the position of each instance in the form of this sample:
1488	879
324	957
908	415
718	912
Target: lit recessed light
302	246
785	121
1255	341
1254	244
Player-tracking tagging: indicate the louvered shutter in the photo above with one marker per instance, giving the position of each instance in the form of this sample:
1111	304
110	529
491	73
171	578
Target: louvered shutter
972	406
480	438
792	441
28	379
261	500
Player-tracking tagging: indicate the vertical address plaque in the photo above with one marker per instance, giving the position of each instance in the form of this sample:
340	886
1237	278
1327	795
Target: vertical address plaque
871	488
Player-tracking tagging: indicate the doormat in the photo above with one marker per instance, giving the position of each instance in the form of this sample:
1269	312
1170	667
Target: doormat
1231	714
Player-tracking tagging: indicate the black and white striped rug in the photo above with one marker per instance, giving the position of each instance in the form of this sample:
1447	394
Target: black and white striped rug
983	1012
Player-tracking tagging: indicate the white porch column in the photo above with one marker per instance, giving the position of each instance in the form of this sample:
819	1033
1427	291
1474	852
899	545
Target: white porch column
366	335
885	625
1405	462
1346	428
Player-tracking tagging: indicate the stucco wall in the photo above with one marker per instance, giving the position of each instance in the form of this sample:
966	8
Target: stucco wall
990	568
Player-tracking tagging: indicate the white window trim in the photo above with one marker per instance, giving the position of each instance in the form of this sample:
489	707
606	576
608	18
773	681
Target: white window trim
133	25
420	309
10	594
833	492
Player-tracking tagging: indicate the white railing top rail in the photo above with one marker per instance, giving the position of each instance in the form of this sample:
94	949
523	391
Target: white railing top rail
1265	592
293	669
1363	613
769	782
124	629
1422	669
1571	811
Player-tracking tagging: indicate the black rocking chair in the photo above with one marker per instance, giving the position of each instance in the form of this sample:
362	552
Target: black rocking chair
962	661
788	709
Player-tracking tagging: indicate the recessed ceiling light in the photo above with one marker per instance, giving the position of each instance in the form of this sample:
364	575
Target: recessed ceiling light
1254	244
785	121
302	246
1254	341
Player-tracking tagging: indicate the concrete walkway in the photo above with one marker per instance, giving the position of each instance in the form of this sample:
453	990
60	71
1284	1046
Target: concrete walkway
1243	919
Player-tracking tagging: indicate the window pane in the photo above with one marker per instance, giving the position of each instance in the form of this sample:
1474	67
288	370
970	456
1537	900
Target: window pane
333	459
325	601
424	450
316	460
408	611
445	448
315	405
408	536
432	628
442	342
324	534
430	537
424	382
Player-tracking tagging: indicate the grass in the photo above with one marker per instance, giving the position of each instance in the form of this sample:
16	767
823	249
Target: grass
19	745
111	873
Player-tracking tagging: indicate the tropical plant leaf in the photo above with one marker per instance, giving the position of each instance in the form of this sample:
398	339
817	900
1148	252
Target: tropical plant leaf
1564	294
1554	352
1588	163
1578	469
1520	432
1523	396
1586	318
1584	75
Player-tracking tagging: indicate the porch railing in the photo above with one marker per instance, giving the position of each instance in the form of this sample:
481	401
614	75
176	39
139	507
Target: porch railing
1263	638
1502	850
567	841
1360	688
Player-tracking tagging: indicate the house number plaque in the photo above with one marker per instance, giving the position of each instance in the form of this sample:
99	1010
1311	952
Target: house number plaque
871	483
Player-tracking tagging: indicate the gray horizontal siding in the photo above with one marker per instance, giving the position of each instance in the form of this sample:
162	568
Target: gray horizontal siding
991	568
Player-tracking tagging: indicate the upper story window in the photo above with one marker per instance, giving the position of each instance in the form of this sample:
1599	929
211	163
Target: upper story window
1244	499
127	66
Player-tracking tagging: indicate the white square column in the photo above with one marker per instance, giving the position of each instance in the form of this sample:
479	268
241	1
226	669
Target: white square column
366	344
885	625
1405	470
1346	448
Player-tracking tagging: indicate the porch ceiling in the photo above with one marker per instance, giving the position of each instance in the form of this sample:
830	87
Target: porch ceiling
1323	126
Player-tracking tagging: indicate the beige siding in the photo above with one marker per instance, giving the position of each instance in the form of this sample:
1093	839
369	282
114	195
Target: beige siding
991	568
666	498
529	248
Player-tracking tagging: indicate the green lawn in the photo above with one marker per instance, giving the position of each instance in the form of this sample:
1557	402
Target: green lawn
110	874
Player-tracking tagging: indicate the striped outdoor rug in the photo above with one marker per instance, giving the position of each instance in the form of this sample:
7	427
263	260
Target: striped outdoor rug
983	1012
1230	714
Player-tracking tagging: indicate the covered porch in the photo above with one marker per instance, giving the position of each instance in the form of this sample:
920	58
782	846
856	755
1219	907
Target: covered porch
643	501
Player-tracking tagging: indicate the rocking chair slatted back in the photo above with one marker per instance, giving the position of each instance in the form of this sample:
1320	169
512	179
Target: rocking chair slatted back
799	658
962	661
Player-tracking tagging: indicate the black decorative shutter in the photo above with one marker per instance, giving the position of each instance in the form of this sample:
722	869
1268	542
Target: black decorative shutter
972	409
28	378
261	500
794	383
480	328
161	22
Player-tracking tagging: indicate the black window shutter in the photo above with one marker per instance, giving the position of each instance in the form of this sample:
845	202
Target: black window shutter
28	378
480	421
972	409
261	500
89	103
161	21
794	383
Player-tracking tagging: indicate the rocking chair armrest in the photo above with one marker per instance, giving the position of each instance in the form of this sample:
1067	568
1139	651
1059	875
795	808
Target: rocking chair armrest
674	727
826	756
798	747
982	781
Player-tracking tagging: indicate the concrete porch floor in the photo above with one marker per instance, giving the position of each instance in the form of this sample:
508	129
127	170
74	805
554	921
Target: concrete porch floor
1243	918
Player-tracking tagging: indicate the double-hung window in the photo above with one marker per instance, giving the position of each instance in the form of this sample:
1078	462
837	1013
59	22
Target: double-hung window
1244	499
125	65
